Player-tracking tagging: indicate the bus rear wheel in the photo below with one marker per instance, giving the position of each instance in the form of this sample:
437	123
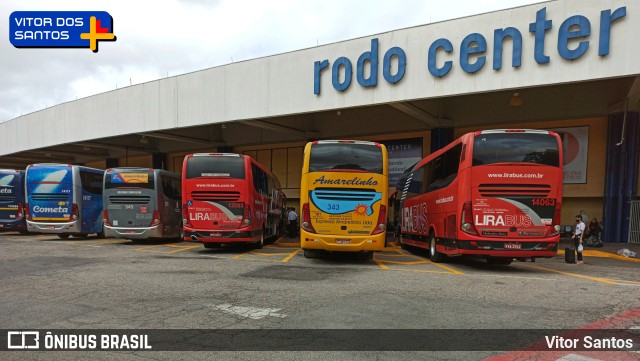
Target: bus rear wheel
434	255
211	245
63	235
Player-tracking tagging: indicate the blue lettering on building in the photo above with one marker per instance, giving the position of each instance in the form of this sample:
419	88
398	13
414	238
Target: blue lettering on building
573	42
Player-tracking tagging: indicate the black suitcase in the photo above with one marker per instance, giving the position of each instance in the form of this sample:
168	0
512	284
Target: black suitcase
570	255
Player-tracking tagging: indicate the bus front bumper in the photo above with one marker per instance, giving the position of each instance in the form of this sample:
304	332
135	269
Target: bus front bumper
133	233
341	243
44	227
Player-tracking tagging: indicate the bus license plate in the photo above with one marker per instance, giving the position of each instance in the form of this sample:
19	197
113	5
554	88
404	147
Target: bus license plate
51	227
513	246
215	235
343	241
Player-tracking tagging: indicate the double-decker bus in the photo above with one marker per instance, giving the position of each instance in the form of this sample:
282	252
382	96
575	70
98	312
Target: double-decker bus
230	198
64	199
142	203
12	201
494	194
343	197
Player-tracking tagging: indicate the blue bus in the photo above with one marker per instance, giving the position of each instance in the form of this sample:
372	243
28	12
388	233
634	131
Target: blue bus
64	199
12	201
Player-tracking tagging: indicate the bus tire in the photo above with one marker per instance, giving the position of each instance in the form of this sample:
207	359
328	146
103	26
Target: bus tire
211	245
100	235
434	255
310	253
260	243
63	235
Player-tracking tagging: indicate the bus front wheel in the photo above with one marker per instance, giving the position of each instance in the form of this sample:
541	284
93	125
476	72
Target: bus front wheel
434	255
63	235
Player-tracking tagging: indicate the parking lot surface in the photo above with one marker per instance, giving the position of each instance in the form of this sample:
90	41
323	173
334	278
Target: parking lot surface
49	283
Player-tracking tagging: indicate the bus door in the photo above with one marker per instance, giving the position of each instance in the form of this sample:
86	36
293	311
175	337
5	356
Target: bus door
89	197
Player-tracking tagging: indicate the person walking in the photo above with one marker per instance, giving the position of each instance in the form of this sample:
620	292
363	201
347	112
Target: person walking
578	236
292	217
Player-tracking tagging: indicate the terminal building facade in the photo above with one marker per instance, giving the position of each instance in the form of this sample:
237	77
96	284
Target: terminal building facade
570	66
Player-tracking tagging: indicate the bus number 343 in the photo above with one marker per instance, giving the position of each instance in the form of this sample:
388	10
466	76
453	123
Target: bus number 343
549	202
333	207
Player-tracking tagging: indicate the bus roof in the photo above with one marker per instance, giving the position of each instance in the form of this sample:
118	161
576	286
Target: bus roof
530	131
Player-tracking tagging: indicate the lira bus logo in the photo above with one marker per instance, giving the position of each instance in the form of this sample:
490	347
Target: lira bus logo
60	29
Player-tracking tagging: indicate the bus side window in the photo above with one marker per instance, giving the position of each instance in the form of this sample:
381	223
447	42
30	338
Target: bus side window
91	182
415	187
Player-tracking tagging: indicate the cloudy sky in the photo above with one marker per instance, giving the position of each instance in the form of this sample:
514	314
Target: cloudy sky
172	37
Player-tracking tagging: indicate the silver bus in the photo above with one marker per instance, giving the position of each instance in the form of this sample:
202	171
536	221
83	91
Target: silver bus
142	203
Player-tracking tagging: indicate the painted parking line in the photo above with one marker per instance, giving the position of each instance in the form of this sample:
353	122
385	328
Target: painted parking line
397	257
95	244
271	253
596	279
166	248
285	241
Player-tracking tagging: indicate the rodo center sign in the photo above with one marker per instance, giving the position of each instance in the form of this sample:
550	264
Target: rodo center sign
574	39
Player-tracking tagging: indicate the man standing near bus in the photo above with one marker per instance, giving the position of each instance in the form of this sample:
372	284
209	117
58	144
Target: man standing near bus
292	217
577	238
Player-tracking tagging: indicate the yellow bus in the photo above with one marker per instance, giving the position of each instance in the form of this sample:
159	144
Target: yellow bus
343	197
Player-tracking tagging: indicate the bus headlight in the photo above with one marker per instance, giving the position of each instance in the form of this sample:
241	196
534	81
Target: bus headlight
247	221
557	228
305	225
466	226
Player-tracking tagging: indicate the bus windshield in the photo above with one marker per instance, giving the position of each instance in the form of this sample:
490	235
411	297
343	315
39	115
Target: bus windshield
516	148
359	157
139	179
215	166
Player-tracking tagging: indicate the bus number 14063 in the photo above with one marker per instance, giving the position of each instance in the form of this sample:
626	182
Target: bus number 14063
549	202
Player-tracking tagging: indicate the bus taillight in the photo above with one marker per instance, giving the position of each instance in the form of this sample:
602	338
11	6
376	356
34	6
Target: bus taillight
306	219
185	216
105	218
382	220
247	216
26	211
466	219
156	218
20	210
555	230
74	212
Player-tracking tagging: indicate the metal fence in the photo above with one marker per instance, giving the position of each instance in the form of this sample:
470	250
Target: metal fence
634	222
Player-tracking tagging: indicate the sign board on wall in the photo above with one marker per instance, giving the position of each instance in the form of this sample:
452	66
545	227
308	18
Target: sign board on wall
575	146
403	153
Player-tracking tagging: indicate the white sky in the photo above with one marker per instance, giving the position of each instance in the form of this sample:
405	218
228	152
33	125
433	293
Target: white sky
156	38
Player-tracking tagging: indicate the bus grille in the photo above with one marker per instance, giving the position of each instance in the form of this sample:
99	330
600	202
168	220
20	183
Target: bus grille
129	199
514	190
215	196
49	197
346	195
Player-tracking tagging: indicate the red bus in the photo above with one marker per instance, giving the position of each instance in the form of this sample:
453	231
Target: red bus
494	194
230	198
